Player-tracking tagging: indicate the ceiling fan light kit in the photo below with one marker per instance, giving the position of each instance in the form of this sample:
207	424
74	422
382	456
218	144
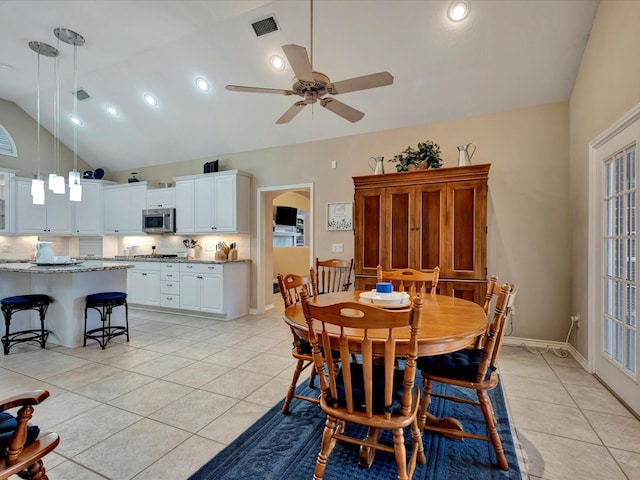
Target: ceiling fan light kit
312	85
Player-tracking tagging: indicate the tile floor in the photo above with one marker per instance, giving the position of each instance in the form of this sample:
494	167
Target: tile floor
163	404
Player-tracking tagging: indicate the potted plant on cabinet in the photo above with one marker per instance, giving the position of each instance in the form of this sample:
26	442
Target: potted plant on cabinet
426	156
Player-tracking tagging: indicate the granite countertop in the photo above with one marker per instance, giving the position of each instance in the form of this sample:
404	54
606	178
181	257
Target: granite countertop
149	258
82	266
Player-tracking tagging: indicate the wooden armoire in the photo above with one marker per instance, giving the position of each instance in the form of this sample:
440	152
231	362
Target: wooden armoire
424	219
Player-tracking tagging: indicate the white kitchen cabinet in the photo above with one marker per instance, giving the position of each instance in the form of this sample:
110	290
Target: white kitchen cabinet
161	198
143	283
201	287
7	201
220	202
89	213
123	205
170	285
184	207
54	217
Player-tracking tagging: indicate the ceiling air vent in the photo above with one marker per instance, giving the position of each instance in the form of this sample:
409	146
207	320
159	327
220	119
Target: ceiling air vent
265	25
81	94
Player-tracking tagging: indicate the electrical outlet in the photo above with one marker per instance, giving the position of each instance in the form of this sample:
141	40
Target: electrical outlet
337	247
575	319
334	164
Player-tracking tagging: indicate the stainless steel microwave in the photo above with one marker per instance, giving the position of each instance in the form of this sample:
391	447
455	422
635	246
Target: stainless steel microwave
159	220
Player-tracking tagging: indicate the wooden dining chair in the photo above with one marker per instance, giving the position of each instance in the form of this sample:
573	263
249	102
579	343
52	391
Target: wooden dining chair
471	368
415	281
371	393
21	445
291	287
492	292
333	275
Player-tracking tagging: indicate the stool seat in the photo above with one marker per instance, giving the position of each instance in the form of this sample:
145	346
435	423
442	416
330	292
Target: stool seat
26	300
104	303
106	297
19	303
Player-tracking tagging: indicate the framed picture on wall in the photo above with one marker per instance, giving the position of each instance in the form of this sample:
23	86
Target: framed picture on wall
340	216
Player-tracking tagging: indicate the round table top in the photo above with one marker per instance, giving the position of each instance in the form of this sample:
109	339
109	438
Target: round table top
448	323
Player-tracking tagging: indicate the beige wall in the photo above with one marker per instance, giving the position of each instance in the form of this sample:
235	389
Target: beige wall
529	218
24	132
607	86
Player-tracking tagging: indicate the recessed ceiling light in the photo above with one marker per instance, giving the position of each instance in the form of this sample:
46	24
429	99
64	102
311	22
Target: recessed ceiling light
150	99
112	110
458	10
277	62
202	84
76	120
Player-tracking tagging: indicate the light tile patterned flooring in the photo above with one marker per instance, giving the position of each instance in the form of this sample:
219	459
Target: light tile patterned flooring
163	404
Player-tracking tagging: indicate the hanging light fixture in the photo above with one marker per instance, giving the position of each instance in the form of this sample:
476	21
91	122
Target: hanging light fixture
77	40
56	182
37	184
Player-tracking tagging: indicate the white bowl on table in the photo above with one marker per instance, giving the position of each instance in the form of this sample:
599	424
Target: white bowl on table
392	299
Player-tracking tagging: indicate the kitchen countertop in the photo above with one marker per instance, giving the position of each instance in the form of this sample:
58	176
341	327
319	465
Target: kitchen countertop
149	258
85	266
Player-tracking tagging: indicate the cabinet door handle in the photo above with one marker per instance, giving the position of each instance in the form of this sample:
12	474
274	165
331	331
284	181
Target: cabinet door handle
169	284
169	275
199	277
169	266
144	274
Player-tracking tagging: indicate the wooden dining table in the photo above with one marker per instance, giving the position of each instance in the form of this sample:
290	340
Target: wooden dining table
448	324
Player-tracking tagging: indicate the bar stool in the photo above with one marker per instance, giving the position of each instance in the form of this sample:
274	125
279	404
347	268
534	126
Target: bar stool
19	303
104	303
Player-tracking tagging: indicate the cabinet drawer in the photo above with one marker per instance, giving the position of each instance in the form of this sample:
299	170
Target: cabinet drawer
169	267
170	275
201	268
148	266
170	301
170	287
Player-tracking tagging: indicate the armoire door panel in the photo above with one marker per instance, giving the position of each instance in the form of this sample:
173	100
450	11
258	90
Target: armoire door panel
369	234
399	227
430	219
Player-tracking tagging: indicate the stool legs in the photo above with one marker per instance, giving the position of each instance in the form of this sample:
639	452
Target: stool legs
103	334
34	335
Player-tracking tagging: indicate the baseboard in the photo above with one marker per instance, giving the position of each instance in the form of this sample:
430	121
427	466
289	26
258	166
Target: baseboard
549	345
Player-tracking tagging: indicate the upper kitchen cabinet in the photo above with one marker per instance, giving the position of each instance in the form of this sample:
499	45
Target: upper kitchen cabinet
123	205
213	202
89	212
421	220
161	198
55	217
7	201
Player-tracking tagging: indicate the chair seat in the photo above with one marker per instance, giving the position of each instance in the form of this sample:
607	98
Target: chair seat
8	424
462	365
24	300
106	297
357	380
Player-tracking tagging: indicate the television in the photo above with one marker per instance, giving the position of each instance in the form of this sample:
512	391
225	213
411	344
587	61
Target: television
286	216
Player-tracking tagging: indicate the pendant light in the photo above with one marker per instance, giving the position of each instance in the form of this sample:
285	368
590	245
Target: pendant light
77	40
56	182
37	184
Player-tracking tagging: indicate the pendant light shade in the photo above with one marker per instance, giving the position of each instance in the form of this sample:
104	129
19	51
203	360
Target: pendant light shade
37	184
72	38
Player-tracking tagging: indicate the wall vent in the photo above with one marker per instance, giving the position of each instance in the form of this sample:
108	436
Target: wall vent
81	94
265	25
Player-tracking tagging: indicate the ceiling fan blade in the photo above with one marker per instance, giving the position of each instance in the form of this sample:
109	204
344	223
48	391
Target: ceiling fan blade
361	83
239	88
292	112
339	108
299	61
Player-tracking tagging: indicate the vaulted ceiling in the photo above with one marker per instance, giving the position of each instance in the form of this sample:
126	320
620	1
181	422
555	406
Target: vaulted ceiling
507	54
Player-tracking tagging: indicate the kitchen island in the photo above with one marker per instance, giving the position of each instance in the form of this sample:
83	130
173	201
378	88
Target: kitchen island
68	285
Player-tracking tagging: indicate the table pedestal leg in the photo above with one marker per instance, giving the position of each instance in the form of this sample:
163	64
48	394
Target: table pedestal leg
367	454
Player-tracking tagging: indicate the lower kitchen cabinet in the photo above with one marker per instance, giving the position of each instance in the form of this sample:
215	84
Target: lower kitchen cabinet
143	284
215	288
170	285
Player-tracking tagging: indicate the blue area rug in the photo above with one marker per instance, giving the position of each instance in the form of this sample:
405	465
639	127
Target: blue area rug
281	447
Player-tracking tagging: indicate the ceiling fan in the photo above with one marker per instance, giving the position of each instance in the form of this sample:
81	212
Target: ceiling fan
312	86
